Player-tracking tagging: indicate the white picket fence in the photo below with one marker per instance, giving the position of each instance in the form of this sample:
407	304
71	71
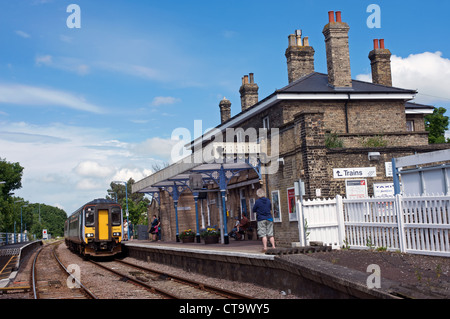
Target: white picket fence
413	224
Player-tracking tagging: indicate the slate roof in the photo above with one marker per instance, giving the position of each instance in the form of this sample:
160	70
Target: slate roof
318	83
413	106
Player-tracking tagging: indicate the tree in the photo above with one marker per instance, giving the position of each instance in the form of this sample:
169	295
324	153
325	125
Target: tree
51	218
137	202
11	174
436	124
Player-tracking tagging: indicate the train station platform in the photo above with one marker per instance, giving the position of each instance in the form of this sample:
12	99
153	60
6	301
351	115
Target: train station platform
11	257
251	248
244	261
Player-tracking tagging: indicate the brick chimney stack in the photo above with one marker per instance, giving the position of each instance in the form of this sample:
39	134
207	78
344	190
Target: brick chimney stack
300	56
225	110
249	92
338	57
380	60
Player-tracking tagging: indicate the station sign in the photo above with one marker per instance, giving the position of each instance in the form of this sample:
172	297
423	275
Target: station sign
356	172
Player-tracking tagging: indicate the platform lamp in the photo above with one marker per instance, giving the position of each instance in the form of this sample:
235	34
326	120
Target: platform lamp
126	200
21	233
3	182
15	202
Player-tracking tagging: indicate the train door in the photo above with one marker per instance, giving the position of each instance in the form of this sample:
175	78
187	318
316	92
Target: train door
103	221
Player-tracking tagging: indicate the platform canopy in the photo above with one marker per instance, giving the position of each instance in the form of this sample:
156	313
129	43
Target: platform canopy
178	173
176	178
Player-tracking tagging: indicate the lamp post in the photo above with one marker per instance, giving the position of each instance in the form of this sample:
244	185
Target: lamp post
15	202
126	201
21	233
3	182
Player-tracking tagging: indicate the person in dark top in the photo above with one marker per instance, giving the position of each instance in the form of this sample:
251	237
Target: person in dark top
154	228
262	208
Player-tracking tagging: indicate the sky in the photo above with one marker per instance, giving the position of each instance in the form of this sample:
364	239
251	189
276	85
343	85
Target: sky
94	95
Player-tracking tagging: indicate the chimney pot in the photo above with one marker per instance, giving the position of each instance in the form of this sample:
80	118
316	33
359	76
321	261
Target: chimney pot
291	38
381	43
251	78
375	44
298	35
338	16
306	41
330	16
245	79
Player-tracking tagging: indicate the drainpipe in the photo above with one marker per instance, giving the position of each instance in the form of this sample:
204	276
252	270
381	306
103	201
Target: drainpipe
346	113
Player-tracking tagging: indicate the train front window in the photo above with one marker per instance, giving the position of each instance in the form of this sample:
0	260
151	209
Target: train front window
115	216
90	216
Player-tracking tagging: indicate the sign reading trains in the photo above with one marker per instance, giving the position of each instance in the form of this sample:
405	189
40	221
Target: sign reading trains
354	172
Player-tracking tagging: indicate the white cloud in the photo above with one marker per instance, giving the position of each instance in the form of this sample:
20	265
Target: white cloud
165	100
70	165
44	60
427	72
32	95
125	174
136	70
94	169
63	63
155	146
22	34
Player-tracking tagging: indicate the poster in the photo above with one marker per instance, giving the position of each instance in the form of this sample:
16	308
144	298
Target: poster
291	204
383	189
276	209
356	188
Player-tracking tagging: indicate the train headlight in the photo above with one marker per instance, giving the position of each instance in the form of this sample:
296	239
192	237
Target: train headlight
116	234
89	235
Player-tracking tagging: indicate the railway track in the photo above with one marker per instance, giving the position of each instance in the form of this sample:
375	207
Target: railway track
49	278
168	286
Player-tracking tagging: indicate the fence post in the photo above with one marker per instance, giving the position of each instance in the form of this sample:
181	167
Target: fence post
401	230
340	219
301	225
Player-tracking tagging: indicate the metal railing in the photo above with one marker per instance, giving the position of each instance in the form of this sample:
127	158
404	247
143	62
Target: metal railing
12	238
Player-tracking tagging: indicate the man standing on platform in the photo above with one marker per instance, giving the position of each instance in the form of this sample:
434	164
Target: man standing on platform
262	209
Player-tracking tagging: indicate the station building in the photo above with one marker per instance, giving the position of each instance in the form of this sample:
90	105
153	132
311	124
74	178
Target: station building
335	134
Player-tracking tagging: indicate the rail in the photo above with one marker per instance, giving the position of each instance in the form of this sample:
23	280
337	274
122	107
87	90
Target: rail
219	291
61	265
182	282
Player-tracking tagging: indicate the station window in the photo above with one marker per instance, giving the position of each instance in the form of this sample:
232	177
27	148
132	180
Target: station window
410	126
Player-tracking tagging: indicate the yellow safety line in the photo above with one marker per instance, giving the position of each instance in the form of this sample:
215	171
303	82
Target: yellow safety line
7	263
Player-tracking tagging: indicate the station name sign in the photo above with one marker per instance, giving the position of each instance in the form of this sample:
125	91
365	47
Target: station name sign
354	172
